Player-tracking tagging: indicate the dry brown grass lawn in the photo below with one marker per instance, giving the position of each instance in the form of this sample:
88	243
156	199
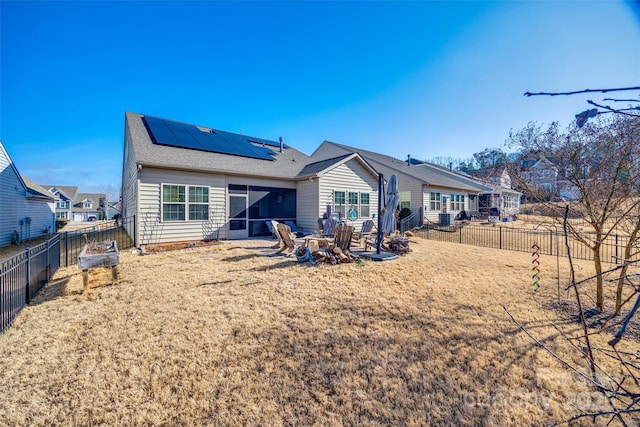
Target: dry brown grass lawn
220	336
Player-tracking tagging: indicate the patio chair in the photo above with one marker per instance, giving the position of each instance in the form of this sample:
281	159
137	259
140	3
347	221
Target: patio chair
286	237
364	235
299	232
342	237
328	228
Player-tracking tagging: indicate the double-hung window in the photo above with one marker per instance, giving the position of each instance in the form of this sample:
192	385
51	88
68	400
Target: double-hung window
351	204
365	203
435	201
180	202
339	203
405	200
457	202
198	203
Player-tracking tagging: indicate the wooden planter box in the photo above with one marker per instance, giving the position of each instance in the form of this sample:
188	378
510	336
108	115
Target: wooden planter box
96	255
99	255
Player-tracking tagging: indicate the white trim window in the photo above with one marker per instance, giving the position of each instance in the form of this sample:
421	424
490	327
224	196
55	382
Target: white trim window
435	201
365	205
352	205
405	200
177	200
457	202
62	204
339	203
87	204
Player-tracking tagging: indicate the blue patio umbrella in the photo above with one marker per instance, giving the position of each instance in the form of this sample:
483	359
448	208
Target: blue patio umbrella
391	204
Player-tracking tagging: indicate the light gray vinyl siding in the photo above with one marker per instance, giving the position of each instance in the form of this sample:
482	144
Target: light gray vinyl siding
151	228
130	186
405	183
15	207
350	176
308	200
42	216
433	215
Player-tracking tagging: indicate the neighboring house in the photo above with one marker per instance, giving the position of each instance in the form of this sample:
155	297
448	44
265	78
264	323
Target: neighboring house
89	206
113	208
74	206
186	182
427	190
65	197
541	174
499	199
26	209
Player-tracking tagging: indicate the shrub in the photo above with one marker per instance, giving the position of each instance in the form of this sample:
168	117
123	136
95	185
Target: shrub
405	212
60	223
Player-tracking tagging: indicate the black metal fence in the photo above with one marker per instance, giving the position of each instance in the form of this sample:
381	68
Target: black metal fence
551	241
24	275
72	242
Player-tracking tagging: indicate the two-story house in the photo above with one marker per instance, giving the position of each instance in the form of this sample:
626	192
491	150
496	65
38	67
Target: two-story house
75	206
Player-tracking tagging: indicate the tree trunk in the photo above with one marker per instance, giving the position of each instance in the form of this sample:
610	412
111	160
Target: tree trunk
599	286
623	273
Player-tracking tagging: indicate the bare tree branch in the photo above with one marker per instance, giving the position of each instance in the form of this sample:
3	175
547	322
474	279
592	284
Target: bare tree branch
621	100
581	91
614	110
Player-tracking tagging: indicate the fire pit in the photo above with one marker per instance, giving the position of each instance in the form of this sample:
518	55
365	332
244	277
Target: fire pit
98	255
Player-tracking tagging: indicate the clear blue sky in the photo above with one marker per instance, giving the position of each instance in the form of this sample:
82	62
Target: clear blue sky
422	78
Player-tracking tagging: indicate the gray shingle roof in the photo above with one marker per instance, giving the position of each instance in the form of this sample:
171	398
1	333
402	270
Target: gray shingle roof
68	191
425	172
38	191
287	164
320	166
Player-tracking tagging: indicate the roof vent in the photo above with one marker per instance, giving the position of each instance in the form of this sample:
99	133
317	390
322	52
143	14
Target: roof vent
408	159
281	144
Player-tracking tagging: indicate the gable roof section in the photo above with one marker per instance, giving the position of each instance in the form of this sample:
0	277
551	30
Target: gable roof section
37	192
321	167
425	172
285	165
10	163
68	192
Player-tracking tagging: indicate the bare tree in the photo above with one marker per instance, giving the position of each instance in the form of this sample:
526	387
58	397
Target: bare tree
600	163
620	390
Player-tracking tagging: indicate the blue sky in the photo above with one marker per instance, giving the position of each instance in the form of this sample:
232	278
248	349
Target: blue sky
429	79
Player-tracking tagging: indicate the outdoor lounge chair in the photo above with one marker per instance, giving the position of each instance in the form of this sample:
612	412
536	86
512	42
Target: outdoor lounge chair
328	228
364	235
272	227
286	238
342	237
299	232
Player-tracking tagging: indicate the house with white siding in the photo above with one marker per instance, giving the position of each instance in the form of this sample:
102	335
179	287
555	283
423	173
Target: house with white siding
188	182
75	206
427	190
26	209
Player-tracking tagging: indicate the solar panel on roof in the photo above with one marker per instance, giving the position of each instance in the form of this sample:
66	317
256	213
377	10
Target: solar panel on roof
183	135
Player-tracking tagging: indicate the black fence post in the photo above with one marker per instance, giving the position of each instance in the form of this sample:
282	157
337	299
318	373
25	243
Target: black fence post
460	233
500	228
48	260
28	278
617	259
66	249
550	242
135	235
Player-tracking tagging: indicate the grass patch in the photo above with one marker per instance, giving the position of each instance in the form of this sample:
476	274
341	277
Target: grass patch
218	336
